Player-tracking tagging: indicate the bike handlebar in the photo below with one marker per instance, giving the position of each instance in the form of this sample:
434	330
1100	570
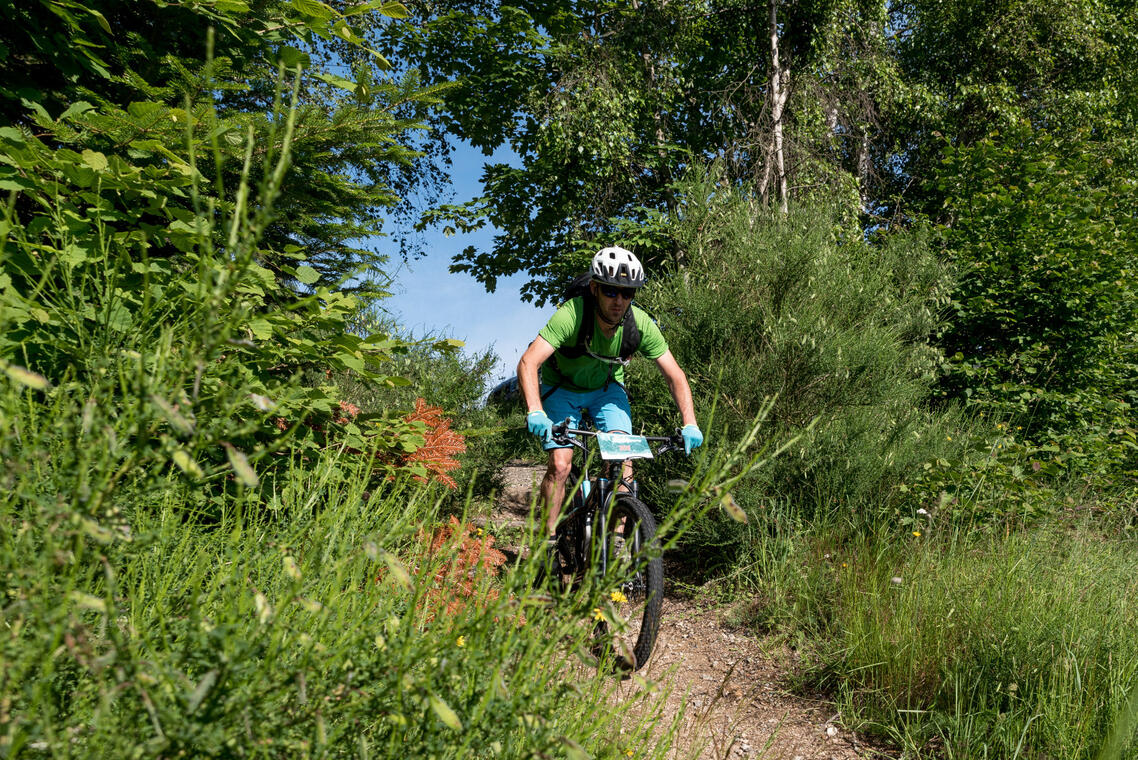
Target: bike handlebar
561	434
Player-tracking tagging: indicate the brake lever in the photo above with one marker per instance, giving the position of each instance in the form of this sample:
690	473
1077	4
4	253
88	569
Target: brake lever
674	443
558	435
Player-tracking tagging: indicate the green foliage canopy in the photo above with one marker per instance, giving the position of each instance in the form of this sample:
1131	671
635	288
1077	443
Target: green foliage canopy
1046	312
607	103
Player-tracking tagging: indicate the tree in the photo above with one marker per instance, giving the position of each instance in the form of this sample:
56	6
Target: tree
607	103
968	69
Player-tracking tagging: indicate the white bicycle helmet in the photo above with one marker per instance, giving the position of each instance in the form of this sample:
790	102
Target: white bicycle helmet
617	266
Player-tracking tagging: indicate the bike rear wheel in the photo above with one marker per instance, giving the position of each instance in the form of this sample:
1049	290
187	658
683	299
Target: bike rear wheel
633	555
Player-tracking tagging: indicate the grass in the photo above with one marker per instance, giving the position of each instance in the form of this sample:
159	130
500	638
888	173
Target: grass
959	644
149	611
315	629
1005	647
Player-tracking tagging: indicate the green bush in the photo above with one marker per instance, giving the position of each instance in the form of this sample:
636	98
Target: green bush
804	310
1045	311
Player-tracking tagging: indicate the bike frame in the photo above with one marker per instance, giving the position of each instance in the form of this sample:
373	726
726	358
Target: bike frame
594	495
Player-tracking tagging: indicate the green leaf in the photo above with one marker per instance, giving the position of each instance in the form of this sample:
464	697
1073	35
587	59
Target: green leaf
346	32
382	62
261	328
16	183
394	9
75	109
307	274
199	227
73	255
101	19
337	81
314	9
118	318
292	57
446	715
388	8
351	361
95	160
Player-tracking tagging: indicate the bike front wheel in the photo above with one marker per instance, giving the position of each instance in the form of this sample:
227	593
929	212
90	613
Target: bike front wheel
632	555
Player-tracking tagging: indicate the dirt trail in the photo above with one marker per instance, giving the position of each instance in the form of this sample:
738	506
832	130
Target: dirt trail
733	689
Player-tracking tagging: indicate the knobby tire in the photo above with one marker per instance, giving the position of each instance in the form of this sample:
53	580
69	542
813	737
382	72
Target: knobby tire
634	635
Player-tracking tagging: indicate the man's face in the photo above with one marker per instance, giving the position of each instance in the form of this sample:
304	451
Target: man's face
612	301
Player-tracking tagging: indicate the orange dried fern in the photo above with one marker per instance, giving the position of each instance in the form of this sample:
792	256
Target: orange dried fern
471	559
440	444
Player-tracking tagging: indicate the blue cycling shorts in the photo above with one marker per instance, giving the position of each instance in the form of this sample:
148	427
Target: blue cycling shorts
607	407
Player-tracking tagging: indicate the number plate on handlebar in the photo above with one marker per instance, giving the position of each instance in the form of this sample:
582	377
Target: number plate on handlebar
623	446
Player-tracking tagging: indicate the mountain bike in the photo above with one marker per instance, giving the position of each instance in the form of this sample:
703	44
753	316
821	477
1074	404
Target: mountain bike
605	528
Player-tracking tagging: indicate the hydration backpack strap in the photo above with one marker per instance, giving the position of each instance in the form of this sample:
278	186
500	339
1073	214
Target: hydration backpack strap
630	338
580	346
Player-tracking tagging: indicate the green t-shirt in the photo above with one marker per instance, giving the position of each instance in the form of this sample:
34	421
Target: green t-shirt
586	373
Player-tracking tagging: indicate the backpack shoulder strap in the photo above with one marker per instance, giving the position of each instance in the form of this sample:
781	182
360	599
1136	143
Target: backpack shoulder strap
630	337
584	333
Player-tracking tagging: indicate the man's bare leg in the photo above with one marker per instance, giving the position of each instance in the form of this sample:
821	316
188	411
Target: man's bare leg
553	485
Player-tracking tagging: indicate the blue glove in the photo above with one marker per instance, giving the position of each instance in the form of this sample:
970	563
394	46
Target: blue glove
540	425
692	438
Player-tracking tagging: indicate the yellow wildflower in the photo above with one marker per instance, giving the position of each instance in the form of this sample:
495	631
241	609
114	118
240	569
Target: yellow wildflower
460	642
917	533
597	614
618	597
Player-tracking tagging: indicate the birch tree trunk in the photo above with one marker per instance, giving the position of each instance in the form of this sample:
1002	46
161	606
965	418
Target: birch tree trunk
778	101
863	169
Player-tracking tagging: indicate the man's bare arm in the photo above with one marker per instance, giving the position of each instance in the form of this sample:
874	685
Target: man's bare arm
536	355
678	386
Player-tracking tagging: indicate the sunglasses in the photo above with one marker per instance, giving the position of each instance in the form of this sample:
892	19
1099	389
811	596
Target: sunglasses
611	292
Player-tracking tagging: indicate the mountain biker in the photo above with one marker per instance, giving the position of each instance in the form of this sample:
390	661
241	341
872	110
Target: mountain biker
592	382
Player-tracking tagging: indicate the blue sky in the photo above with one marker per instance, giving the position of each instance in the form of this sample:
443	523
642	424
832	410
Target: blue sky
426	298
